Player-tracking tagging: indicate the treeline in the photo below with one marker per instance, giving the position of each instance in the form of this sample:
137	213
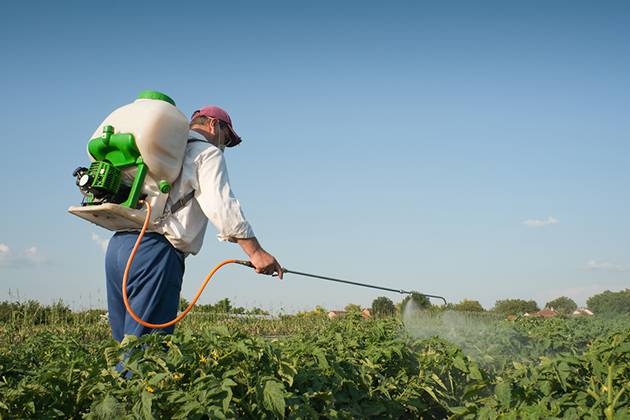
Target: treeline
33	312
603	304
224	306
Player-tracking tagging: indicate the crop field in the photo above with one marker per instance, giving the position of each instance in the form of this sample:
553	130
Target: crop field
427	365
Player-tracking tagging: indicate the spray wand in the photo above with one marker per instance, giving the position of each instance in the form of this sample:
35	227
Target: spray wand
354	283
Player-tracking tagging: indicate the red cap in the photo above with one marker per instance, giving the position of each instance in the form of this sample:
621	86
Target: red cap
212	111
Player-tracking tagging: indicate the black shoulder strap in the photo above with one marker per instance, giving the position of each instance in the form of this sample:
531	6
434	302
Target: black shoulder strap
179	204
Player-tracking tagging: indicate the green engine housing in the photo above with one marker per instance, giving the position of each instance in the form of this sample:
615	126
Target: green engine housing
102	182
105	177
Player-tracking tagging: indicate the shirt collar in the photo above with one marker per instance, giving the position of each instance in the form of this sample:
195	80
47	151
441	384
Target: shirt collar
192	134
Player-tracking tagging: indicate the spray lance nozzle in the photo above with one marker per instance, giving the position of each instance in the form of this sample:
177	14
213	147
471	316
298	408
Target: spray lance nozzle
354	283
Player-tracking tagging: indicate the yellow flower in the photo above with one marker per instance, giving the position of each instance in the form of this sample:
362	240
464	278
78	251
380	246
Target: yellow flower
203	359
215	355
150	389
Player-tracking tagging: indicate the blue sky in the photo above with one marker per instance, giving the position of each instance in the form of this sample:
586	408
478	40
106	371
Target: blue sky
474	150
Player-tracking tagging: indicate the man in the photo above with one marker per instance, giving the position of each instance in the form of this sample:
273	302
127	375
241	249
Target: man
201	192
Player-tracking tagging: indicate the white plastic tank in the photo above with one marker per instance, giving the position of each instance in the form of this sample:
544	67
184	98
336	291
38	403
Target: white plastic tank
160	131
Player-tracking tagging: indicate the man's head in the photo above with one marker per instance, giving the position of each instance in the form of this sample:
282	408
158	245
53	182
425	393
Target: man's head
216	126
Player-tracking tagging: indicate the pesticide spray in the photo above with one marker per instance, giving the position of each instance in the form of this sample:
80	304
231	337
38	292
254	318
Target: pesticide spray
485	338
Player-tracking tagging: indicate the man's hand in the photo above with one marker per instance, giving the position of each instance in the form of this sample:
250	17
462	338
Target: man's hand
264	262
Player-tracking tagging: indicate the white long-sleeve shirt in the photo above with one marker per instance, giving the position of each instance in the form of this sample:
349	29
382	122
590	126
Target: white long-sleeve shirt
205	172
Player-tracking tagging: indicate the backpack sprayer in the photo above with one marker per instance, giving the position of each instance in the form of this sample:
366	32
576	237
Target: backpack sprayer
137	153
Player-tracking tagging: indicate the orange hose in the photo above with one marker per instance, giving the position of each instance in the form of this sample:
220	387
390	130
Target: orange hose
126	275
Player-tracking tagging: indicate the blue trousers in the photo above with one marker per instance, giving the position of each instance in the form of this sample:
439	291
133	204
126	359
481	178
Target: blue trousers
153	286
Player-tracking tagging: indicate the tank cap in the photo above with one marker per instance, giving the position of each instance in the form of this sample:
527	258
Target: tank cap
165	187
153	94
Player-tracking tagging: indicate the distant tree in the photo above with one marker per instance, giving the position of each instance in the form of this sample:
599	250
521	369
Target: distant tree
257	311
469	306
204	308
383	306
320	310
238	310
352	307
223	306
7	309
58	311
183	304
514	306
563	305
34	312
92	315
610	303
421	301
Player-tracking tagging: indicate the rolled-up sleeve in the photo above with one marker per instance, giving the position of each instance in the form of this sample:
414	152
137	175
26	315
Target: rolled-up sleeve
215	197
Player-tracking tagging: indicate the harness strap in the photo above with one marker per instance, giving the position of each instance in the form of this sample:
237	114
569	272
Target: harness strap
181	203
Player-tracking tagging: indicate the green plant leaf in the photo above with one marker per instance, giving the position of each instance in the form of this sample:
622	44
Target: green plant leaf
503	392
273	397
